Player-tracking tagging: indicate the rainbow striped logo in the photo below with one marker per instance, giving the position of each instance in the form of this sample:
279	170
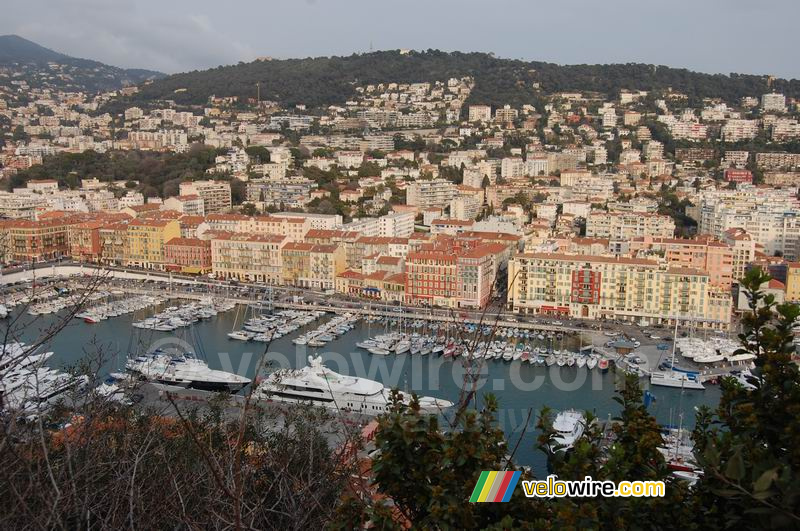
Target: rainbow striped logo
494	487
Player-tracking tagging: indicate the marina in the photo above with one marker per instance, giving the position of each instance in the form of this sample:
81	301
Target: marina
422	365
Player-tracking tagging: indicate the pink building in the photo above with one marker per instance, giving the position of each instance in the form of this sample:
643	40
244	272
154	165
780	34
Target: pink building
704	253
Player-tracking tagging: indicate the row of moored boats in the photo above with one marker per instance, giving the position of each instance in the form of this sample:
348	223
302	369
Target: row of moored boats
266	328
117	308
175	317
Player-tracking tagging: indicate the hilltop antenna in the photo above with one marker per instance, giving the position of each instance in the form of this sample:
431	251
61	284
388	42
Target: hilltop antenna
370	46
258	94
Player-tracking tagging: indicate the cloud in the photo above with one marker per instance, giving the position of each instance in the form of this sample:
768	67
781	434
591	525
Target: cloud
179	35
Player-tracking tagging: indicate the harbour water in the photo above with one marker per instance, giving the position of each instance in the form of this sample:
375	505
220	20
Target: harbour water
518	386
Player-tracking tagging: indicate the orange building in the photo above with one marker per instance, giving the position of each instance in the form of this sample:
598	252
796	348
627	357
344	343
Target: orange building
188	255
30	241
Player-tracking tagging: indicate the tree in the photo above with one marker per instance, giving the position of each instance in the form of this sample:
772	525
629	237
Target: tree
749	448
260	154
429	473
249	209
19	134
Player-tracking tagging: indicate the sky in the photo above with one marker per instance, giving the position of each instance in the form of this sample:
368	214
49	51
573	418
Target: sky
746	36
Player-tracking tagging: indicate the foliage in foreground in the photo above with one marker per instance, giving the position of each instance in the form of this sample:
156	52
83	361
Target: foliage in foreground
114	468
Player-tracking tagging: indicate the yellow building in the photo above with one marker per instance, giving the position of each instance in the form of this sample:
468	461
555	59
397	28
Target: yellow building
312	266
146	241
247	257
793	282
600	287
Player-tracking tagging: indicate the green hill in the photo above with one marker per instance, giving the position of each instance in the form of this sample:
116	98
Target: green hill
41	66
322	81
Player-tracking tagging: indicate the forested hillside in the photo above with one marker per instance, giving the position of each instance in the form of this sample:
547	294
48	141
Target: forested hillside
158	174
332	80
42	67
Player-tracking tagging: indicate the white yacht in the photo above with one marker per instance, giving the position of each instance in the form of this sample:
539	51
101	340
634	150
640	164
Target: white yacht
33	390
318	385
15	356
675	379
184	371
569	425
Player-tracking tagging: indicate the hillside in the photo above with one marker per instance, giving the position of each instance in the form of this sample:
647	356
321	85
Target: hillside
332	80
39	67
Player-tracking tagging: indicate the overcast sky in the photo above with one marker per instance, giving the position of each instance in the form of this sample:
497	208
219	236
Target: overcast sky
748	36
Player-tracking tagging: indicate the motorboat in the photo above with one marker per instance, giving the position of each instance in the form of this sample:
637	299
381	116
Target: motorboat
569	426
675	379
241	335
320	386
184	371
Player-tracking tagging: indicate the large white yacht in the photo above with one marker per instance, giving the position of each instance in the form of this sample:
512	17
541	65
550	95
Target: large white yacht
568	425
16	356
675	379
318	385
184	371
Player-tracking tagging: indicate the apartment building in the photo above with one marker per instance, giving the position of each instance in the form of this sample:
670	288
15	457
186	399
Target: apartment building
228	222
18	206
23	240
480	113
506	114
793	282
704	253
737	130
191	205
347	239
113	243
512	168
316	221
628	289
737	159
147	241
743	248
466	207
779	160
773	102
432	193
769	216
85	242
188	255
312	266
456	274
248	257
216	195
624	226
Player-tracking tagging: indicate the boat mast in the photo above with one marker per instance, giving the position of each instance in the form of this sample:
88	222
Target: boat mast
674	344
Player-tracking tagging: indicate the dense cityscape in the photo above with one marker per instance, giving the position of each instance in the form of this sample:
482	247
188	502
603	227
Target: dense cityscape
633	227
